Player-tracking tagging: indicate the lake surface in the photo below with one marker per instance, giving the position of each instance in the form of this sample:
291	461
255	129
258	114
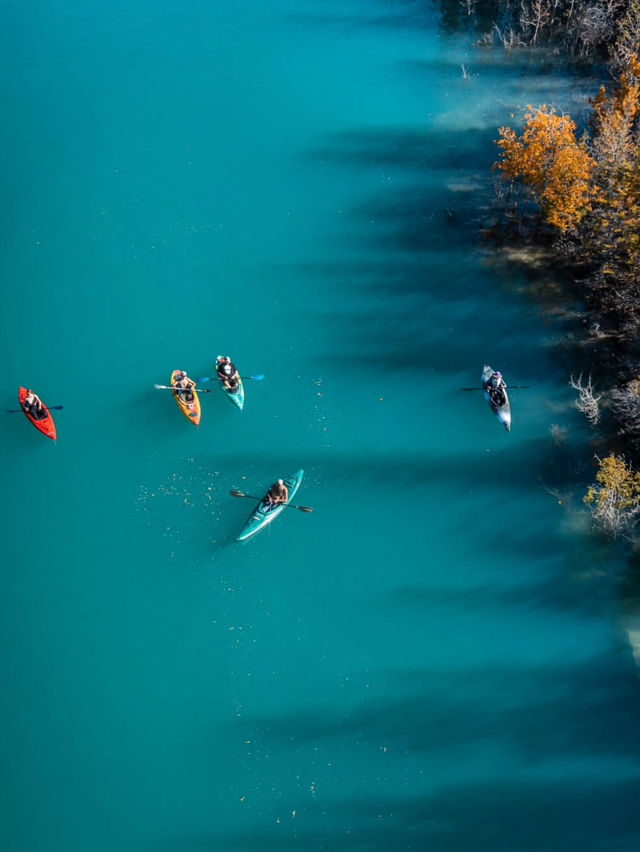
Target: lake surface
432	659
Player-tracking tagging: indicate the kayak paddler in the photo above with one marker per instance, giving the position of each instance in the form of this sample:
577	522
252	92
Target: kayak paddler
227	373
278	493
495	388
184	385
32	404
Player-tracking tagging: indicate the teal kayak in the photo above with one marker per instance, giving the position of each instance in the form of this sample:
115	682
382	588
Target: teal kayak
235	396
262	515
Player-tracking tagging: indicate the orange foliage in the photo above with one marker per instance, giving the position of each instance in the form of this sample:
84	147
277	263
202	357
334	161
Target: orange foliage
614	117
617	178
624	101
549	160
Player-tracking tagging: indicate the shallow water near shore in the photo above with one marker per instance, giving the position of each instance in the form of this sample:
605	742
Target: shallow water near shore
433	658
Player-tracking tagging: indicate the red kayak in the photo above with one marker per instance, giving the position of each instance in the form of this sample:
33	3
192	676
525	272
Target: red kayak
43	421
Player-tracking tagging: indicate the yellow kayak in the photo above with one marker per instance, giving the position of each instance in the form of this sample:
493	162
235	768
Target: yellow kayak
190	409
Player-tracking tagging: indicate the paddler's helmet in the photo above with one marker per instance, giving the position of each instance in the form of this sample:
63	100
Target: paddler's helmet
498	374
181	374
280	482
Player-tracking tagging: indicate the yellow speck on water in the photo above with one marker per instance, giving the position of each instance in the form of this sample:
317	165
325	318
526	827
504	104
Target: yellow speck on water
381	399
559	502
242	798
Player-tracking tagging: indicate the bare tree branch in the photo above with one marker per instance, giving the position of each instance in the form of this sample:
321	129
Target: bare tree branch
587	403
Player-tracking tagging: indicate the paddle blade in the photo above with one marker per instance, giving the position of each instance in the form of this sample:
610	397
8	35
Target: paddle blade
201	379
257	378
304	508
237	493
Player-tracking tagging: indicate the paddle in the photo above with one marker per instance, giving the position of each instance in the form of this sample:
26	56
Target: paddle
16	410
257	378
509	387
168	387
286	505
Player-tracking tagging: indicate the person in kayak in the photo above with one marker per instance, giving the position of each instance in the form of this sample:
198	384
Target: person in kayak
496	388
228	373
184	385
278	493
33	405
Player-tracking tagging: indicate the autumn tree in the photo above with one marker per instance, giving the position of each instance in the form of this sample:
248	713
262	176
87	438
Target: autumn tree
554	166
614	224
626	44
588	187
615	498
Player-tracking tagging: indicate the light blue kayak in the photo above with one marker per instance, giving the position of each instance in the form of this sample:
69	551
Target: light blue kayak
263	514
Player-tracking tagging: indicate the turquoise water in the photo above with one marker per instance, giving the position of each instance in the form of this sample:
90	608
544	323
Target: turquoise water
433	659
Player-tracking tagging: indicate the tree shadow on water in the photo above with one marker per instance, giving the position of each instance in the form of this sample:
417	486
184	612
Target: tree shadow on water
427	151
518	471
415	240
561	776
